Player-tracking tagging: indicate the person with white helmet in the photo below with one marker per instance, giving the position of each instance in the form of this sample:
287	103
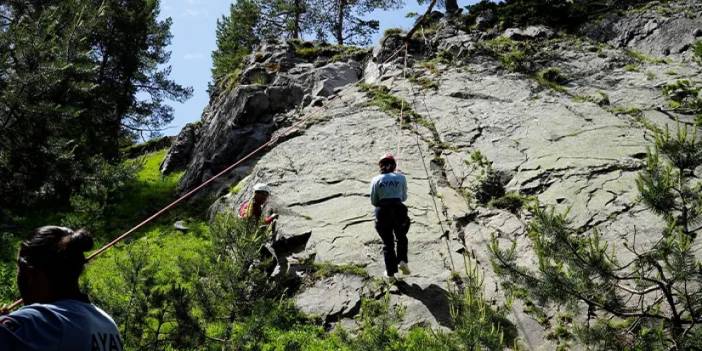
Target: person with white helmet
388	192
254	207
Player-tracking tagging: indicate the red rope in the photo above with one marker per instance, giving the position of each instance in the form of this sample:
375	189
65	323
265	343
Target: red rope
180	199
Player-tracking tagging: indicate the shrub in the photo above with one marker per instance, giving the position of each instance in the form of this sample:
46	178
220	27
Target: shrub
381	97
392	31
510	201
697	51
511	54
684	96
552	78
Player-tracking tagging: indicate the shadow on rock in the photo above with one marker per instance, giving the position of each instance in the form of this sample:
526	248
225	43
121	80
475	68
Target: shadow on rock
433	297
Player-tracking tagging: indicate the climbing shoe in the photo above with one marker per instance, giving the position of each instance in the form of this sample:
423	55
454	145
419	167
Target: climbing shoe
390	279
404	268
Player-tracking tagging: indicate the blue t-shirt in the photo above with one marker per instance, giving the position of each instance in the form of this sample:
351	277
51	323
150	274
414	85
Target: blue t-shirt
388	186
69	325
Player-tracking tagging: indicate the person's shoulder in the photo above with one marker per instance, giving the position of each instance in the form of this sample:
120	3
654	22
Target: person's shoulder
33	320
377	178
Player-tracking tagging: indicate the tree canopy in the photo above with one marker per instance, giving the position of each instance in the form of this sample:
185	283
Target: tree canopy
78	78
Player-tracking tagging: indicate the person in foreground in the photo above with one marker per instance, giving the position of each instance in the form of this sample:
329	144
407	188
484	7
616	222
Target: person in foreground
388	192
56	315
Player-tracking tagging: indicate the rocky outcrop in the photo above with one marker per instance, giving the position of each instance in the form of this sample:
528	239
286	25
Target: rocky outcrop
660	28
243	118
576	144
181	151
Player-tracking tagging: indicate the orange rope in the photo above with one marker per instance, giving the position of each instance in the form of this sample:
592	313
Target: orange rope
183	197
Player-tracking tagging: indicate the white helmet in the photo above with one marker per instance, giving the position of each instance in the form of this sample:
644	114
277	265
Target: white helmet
262	187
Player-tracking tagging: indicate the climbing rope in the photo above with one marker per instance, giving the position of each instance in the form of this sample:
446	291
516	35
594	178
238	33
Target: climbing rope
402	108
120	238
432	187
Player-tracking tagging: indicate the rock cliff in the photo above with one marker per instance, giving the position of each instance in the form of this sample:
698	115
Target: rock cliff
562	121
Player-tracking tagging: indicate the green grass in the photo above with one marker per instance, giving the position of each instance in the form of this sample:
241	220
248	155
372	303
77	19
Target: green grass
632	68
145	195
311	51
381	97
425	83
510	201
326	269
601	100
643	58
697	51
552	78
511	54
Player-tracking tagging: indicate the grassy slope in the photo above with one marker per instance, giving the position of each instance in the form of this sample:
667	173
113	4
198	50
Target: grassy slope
141	197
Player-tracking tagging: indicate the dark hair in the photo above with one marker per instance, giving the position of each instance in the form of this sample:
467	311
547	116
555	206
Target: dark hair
57	251
387	166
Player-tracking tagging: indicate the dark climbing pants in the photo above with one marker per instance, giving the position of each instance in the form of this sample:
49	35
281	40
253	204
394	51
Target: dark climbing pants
392	223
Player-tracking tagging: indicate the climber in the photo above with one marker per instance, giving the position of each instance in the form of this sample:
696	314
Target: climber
254	208
388	192
56	315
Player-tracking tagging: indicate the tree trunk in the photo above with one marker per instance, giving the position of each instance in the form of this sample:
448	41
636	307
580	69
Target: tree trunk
339	27
296	24
451	6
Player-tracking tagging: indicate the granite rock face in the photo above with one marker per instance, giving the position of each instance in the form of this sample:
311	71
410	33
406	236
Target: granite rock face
577	146
239	120
660	28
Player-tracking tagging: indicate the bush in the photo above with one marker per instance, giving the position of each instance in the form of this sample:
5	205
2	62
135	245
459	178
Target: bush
490	186
150	288
684	96
511	201
552	78
697	51
511	54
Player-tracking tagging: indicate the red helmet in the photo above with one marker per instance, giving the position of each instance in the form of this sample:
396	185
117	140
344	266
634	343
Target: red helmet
387	157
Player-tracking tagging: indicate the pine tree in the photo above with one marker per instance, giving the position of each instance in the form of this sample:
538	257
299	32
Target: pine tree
72	75
651	301
236	37
343	19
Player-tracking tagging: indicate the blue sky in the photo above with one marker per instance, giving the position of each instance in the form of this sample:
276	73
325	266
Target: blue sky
193	30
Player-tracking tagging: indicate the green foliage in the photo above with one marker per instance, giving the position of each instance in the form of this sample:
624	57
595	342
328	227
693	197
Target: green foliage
552	78
344	21
601	100
381	97
697	51
632	68
141	149
77	80
656	293
325	269
476	324
424	82
643	58
490	183
667	185
510	201
392	32
236	37
511	54
311	51
150	287
684	96
91	204
557	14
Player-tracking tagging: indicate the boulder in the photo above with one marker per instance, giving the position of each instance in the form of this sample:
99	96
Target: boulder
180	152
332	76
332	298
529	33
